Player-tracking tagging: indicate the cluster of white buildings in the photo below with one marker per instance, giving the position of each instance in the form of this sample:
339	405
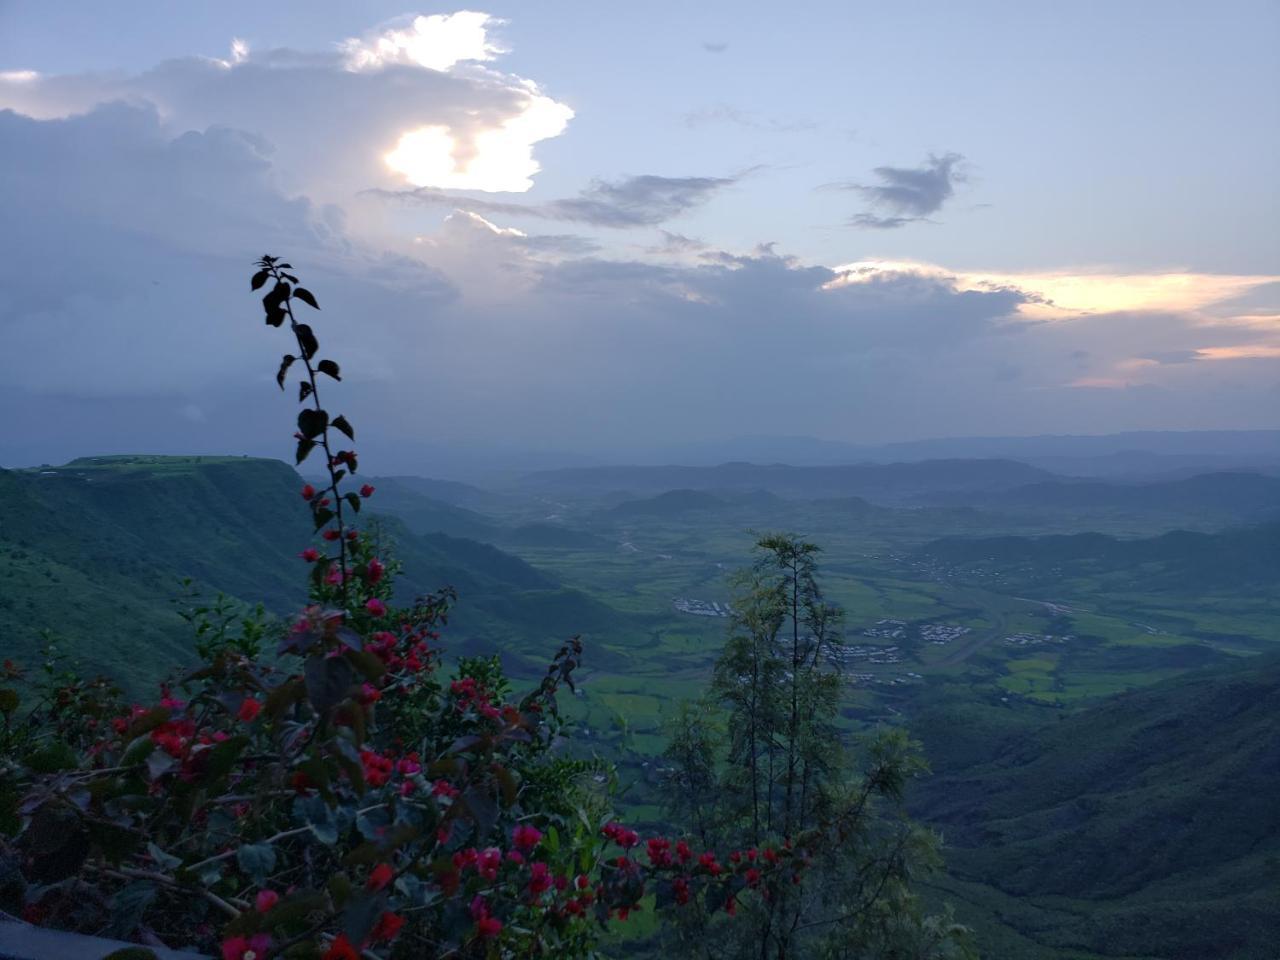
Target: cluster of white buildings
942	633
1035	639
886	629
701	608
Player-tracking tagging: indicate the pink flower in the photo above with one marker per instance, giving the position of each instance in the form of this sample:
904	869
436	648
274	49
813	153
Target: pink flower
366	491
265	900
246	948
376	607
249	709
526	837
376	570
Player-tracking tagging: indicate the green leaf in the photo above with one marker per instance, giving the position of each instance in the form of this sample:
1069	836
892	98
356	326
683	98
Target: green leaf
9	700
315	813
305	295
329	368
259	279
306	340
285	364
257	860
340	423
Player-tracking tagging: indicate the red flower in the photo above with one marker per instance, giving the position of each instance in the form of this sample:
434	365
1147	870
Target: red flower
247	948
375	570
341	949
249	709
308	492
265	900
376	607
488	927
539	879
331	535
379	876
387	927
311	554
526	837
366	491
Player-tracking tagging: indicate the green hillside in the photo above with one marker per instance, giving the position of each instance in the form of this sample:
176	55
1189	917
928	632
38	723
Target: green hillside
95	552
1144	826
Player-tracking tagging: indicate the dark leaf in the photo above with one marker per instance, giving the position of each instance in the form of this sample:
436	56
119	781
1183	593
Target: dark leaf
322	516
54	845
276	316
329	680
304	390
483	810
259	279
340	423
306	340
257	860
304	448
285	364
312	423
360	915
348	638
305	295
353	500
330	368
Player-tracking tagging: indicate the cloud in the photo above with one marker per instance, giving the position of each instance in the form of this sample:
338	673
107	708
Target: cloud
724	113
639	201
714	47
907	194
436	42
410	103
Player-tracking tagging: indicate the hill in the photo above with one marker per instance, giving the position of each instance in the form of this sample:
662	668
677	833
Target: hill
885	483
1144	826
114	536
1239	559
1242	496
421	513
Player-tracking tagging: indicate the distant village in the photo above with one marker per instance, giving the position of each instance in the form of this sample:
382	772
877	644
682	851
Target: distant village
701	608
1035	639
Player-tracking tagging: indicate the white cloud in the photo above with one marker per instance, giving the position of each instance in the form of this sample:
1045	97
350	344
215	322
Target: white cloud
405	106
436	42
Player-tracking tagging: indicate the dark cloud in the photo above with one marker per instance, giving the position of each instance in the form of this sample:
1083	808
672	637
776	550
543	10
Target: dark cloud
642	201
907	194
676	243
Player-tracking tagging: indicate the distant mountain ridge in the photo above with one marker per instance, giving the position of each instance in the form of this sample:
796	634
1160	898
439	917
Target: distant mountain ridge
1246	495
895	482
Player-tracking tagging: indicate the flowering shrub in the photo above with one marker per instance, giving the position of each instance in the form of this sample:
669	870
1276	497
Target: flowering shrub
339	796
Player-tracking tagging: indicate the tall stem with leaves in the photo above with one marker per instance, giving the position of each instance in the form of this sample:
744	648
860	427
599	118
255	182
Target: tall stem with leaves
314	422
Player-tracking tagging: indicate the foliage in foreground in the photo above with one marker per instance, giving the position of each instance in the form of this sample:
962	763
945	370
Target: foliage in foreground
339	796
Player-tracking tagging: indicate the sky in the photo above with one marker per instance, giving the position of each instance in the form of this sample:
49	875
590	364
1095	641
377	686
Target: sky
593	229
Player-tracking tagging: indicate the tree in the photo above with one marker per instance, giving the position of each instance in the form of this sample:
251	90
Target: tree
778	777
